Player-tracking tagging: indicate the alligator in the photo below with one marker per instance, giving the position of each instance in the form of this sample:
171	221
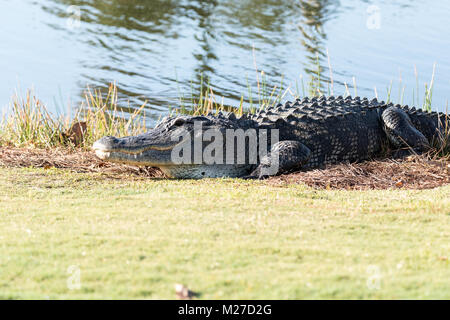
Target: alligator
311	133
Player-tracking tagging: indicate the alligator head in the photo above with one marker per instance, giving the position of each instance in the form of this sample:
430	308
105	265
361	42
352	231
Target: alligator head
160	147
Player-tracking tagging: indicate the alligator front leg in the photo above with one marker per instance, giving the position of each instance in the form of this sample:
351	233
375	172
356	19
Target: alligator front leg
284	156
402	133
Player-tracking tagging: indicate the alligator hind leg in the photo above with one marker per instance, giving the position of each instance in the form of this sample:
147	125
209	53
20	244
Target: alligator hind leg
284	156
402	133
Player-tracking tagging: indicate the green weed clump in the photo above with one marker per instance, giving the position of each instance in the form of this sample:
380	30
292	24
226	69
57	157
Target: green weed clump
29	123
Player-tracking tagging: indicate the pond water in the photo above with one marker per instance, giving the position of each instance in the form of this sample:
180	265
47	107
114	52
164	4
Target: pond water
159	50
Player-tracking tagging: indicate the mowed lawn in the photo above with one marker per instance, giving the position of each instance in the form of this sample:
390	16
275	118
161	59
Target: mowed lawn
69	235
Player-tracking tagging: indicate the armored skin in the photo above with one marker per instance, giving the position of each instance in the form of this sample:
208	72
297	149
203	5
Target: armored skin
311	133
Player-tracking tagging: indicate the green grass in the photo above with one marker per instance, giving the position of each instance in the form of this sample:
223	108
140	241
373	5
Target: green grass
137	238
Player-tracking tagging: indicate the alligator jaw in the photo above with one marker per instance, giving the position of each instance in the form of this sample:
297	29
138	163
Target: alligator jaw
104	155
160	157
125	150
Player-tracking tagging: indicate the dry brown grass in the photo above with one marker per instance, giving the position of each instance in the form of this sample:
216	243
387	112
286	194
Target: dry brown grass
417	172
74	160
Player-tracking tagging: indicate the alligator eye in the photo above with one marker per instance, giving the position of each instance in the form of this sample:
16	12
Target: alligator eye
178	122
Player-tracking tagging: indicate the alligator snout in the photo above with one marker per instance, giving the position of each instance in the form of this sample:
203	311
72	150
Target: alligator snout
104	146
107	143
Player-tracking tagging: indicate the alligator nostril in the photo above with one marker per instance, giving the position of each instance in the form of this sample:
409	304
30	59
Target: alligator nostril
110	139
105	143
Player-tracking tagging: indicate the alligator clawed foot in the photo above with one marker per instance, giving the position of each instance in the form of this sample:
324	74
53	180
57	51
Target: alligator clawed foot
404	153
249	177
252	177
401	153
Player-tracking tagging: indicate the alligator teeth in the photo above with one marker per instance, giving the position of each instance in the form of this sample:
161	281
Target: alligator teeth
102	154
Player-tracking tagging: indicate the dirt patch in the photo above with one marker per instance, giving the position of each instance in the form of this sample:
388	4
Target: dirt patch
418	172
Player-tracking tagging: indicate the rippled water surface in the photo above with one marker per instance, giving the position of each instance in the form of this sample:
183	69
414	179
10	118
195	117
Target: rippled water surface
158	50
